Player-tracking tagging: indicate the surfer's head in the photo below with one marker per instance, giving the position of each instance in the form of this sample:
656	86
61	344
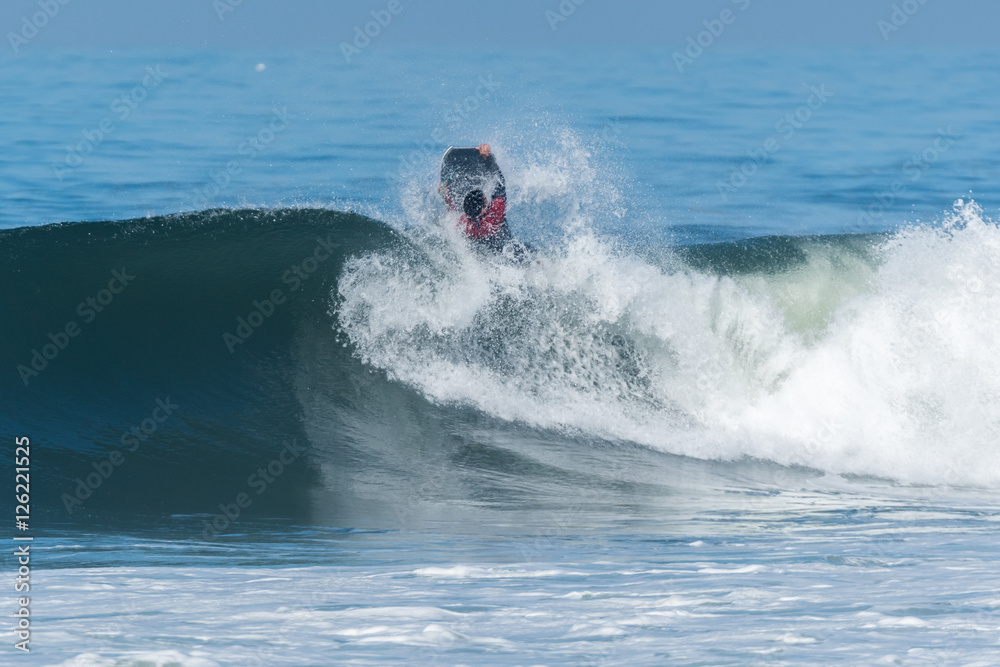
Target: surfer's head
474	204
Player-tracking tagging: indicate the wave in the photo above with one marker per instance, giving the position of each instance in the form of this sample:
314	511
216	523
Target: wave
212	306
383	353
862	355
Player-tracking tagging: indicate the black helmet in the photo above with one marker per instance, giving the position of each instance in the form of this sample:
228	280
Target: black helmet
474	203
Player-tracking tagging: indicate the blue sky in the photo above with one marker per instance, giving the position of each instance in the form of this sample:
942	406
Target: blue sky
117	24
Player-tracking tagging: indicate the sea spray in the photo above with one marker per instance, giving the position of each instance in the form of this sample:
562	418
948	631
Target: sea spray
871	357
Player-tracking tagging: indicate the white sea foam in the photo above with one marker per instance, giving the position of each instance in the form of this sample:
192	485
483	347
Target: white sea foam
881	363
144	659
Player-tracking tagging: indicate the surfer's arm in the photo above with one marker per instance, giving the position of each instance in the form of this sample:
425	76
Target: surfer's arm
484	150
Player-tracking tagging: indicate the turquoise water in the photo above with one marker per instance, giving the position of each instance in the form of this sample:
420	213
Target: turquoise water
740	410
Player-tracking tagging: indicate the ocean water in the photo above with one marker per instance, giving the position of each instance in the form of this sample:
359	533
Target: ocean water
741	406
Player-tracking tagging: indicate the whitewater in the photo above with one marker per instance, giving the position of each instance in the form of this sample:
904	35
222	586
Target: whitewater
865	355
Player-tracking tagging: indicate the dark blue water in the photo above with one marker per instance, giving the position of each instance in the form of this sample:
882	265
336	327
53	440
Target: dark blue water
739	409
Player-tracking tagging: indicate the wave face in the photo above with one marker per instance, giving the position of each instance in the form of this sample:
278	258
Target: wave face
171	334
384	354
